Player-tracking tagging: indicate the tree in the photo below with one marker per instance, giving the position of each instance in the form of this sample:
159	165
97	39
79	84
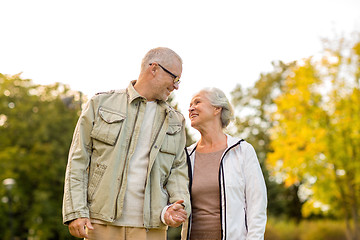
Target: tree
253	108
316	133
36	126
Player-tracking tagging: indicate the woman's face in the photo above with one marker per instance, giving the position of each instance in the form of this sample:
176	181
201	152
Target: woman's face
201	111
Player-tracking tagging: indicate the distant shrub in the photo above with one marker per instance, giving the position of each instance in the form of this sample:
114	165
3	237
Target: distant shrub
325	229
281	229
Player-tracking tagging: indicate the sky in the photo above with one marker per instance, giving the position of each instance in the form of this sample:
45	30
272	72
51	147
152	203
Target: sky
96	46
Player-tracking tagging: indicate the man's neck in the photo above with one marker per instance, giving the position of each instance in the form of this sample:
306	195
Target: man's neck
142	88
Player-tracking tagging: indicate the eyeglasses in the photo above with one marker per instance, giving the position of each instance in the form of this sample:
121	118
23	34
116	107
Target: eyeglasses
176	78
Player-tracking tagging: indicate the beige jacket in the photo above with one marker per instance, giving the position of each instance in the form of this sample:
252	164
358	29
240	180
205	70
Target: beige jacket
104	140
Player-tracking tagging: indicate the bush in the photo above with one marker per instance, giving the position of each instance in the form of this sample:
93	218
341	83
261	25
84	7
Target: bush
325	229
281	229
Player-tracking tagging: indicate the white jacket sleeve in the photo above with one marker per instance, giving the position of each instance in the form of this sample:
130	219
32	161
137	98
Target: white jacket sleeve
255	195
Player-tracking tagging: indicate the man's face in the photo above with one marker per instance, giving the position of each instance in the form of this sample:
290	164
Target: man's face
164	83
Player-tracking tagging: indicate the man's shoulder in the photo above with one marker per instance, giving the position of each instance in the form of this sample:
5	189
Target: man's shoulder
105	93
111	92
108	98
175	114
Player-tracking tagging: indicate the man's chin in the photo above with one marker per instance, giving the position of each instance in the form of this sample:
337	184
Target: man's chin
166	97
163	98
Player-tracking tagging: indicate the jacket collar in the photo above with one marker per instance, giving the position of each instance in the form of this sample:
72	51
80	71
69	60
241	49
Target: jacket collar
230	142
133	94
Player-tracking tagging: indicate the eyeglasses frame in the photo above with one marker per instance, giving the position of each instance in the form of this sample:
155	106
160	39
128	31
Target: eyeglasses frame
176	78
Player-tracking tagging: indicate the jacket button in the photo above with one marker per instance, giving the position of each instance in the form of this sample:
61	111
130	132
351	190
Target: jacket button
156	147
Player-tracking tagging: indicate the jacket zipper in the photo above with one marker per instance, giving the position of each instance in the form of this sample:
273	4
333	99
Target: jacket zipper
127	153
221	170
157	134
190	185
149	168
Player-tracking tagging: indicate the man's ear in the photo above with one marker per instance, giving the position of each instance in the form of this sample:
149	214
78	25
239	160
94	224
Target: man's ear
152	69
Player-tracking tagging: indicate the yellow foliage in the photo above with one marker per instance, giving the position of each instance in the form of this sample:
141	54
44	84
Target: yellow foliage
317	133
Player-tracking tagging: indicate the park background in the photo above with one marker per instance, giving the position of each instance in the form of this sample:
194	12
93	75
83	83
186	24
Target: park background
290	68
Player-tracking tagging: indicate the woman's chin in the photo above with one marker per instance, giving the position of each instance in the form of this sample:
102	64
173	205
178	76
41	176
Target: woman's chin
193	124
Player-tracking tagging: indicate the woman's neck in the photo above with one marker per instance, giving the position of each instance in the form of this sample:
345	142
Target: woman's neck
211	141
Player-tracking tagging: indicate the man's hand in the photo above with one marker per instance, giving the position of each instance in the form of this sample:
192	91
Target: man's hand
175	215
77	227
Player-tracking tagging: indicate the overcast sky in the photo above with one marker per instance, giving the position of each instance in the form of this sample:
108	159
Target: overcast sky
97	46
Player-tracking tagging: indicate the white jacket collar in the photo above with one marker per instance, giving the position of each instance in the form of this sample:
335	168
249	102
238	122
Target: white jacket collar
230	142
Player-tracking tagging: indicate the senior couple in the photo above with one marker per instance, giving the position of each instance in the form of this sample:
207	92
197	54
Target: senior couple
129	175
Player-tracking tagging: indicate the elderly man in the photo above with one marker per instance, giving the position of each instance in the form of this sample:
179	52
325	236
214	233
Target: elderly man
126	176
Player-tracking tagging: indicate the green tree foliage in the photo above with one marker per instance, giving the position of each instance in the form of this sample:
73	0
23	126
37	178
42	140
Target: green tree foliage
316	133
36	126
253	108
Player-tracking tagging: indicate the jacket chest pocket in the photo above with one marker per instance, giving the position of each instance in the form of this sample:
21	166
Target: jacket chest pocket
169	145
107	128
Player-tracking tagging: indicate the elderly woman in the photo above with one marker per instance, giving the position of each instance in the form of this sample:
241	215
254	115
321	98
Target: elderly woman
228	192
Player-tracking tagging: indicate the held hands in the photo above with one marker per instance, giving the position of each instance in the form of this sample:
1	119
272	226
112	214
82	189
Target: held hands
77	227
175	215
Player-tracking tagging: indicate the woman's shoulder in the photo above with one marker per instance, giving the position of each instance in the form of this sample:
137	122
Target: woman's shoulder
239	144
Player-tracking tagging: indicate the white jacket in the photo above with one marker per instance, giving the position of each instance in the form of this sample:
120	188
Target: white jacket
243	196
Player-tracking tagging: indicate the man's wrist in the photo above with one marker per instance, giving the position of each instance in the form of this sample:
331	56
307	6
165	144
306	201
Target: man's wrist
163	213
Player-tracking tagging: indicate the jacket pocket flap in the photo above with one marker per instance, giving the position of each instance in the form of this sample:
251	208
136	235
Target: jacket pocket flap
168	151
173	129
110	116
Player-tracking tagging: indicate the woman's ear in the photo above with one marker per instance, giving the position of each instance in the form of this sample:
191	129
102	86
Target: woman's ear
217	110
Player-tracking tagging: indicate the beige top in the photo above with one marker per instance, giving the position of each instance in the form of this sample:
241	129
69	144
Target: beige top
205	193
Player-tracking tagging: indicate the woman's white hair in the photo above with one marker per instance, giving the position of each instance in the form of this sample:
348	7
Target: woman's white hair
218	98
164	56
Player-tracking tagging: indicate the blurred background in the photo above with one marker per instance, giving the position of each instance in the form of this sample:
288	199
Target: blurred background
296	95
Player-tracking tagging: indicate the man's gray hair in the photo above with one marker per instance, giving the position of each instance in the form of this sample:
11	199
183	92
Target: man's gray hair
218	98
164	56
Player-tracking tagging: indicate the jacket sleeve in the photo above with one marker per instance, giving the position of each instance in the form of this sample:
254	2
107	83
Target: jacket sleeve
255	194
76	176
178	182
